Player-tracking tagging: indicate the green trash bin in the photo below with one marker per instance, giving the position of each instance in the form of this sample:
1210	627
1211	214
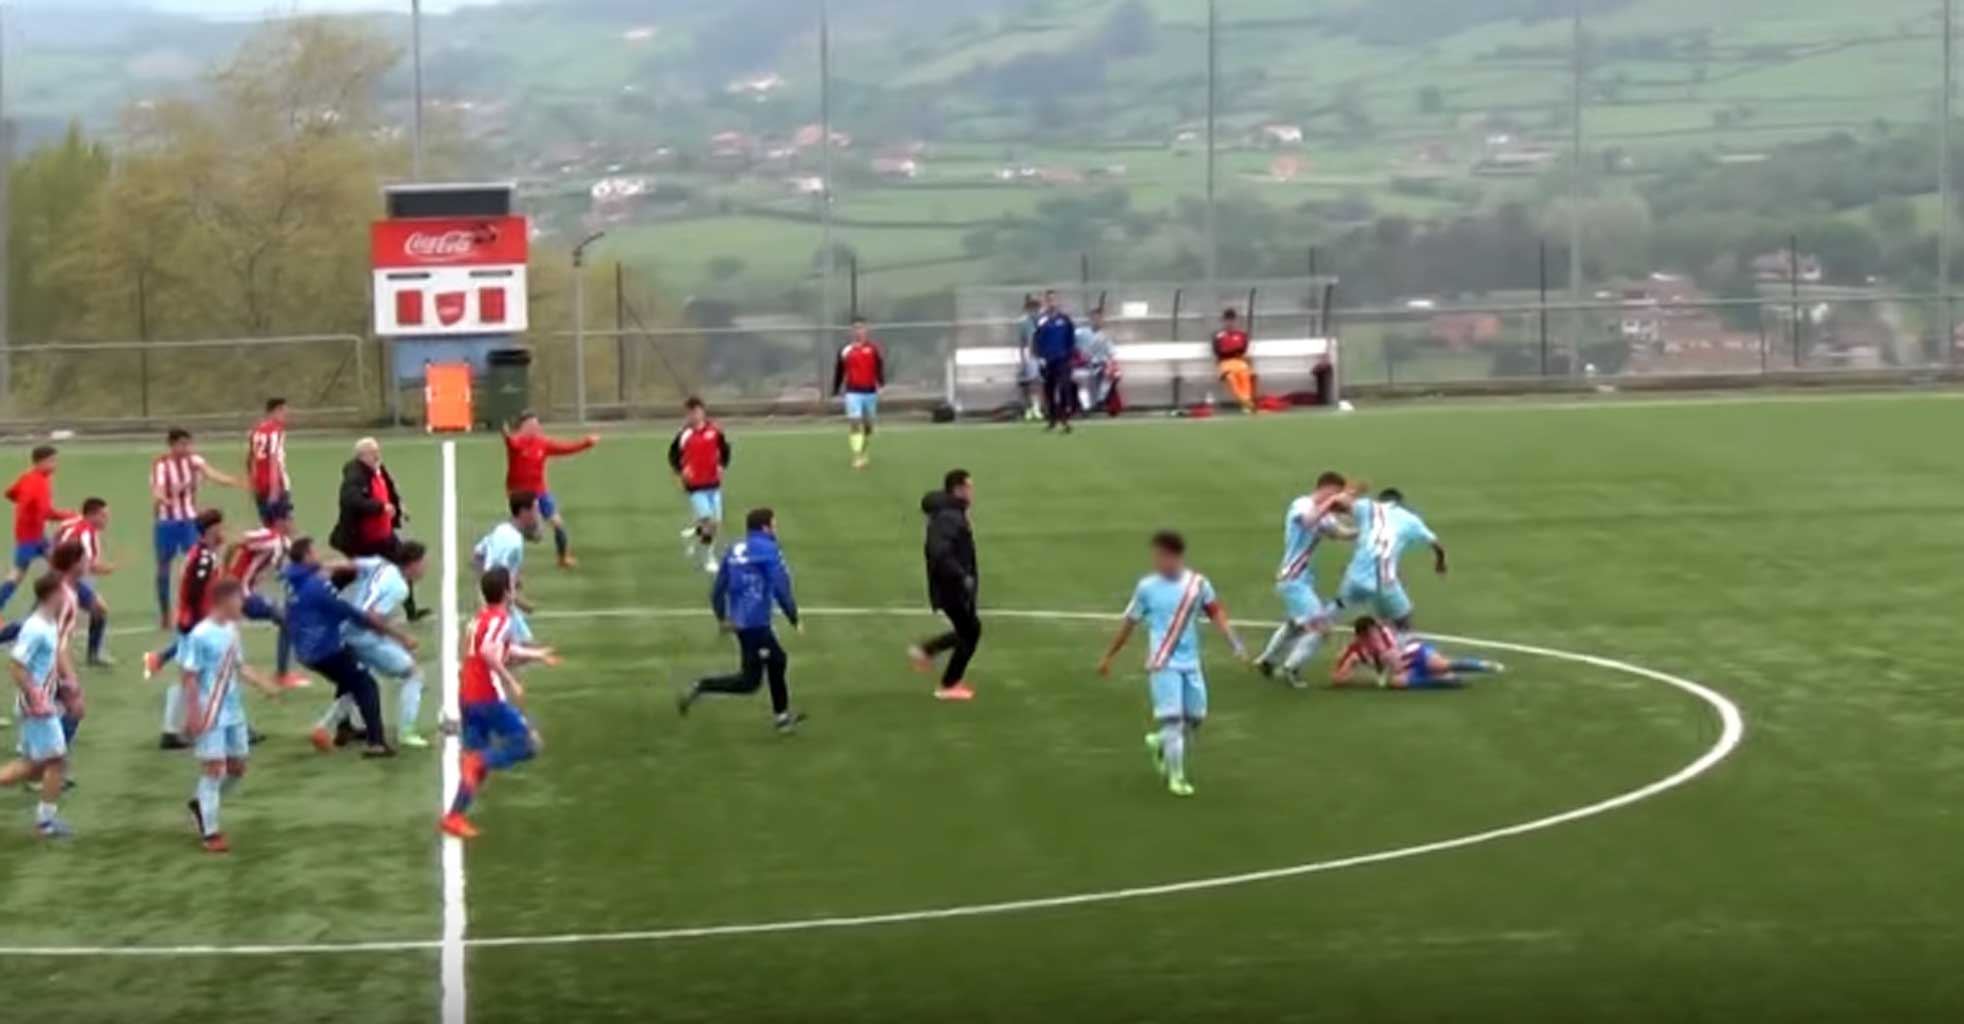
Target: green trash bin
507	385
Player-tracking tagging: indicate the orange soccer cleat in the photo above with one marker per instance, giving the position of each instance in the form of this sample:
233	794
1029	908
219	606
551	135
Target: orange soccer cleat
323	740
567	561
457	826
918	657
215	843
151	664
959	691
294	681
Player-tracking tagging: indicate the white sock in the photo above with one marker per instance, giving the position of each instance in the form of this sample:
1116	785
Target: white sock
409	704
1283	634
174	708
337	712
208	798
1305	650
1173	748
44	812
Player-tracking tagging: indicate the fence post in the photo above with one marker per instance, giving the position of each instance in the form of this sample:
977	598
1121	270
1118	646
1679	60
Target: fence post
1543	315
1793	285
621	371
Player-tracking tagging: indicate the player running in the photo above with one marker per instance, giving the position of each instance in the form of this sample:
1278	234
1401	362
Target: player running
1404	664
526	450
174	480
380	590
85	533
248	560
43	748
1168	601
698	455
1385	528
33	495
495	733
214	664
504	548
201	575
266	467
1305	616
752	579
861	372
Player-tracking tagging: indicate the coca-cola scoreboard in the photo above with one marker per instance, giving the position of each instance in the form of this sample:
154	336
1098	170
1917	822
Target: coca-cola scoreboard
449	262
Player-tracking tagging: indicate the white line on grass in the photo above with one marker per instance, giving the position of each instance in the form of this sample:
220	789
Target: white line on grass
1732	731
453	998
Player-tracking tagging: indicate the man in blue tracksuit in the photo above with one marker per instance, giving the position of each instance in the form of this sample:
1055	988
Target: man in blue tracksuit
314	615
1055	341
752	579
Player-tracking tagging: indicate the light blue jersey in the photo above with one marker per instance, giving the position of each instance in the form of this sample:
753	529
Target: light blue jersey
212	652
502	548
36	650
1171	610
380	588
1304	529
1384	533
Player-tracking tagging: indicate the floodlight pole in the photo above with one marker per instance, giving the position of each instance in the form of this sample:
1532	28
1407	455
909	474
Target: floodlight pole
1213	105
1575	190
828	257
579	324
1944	189
416	75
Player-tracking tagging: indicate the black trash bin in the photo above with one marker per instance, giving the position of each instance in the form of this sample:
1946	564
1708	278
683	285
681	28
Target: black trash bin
507	385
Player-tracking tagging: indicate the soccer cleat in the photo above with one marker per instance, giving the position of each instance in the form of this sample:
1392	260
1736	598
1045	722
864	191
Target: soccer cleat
101	660
323	740
860	462
1497	668
382	752
172	741
568	561
413	741
54	828
1179	786
254	737
457	826
686	700
1267	670
1294	679
215	843
788	723
1156	747
918	657
294	681
197	814
151	664
345	733
958	691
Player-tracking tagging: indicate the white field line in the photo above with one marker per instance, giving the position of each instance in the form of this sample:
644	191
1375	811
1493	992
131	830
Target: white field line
453	998
1732	732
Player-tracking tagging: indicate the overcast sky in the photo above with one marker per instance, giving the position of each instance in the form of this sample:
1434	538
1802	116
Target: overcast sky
247	8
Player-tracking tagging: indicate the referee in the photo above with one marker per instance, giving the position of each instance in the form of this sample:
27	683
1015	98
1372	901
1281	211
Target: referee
951	584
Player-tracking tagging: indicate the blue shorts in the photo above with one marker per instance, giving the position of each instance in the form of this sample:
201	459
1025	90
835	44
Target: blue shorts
223	743
266	506
41	739
26	551
488	722
707	504
862	405
1365	595
548	507
258	609
85	594
174	537
1179	693
381	654
1300	603
1420	673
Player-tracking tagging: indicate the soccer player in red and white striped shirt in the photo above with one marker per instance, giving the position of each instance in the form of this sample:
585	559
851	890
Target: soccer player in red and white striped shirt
85	532
174	479
247	560
266	462
496	734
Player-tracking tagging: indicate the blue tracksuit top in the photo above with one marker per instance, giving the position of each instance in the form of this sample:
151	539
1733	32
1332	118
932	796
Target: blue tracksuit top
753	576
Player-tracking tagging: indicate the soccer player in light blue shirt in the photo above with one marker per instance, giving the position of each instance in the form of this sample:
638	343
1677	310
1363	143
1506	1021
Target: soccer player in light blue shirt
1306	618
37	670
1385	529
1170	602
215	717
381	587
504	548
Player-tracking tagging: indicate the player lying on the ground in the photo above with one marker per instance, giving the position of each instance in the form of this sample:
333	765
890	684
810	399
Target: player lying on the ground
1169	601
1406	663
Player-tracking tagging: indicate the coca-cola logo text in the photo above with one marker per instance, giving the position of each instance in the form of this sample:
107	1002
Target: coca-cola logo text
446	245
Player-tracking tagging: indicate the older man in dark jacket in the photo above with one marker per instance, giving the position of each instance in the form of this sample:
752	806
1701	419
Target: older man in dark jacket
371	512
952	582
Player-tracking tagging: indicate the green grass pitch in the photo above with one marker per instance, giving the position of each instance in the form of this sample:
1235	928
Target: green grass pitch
1802	557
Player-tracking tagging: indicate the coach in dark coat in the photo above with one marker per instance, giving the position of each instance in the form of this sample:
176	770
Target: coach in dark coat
953	581
371	511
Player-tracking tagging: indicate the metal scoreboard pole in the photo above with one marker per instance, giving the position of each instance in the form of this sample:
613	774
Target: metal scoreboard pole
1575	192
828	258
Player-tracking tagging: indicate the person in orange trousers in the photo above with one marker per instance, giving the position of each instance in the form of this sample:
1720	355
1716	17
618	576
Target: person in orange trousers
1231	355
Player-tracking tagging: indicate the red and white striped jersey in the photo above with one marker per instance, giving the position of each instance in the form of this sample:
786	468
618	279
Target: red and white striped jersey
177	478
266	458
486	647
68	616
257	551
80	531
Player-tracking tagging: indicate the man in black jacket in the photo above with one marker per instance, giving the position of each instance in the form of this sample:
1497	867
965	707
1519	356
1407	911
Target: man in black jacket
951	584
371	513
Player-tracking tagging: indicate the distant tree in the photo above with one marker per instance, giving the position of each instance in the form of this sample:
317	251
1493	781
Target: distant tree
1431	100
53	192
1894	217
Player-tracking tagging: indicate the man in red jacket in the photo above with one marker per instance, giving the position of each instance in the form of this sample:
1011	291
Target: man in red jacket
1231	354
526	450
33	495
698	455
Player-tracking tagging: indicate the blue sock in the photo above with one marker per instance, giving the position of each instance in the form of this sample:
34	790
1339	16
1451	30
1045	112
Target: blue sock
1472	666
98	628
284	656
7	589
559	540
164	656
163	587
465	794
70	725
10	632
